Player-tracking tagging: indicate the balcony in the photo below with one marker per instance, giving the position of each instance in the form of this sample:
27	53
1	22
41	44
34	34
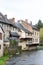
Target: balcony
28	35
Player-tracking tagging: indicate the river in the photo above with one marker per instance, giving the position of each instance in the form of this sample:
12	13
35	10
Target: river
28	58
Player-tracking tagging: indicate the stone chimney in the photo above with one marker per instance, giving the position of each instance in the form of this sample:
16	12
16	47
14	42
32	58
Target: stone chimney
31	22
13	20
5	16
26	20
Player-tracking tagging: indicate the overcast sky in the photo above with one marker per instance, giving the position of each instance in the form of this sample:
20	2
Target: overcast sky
23	9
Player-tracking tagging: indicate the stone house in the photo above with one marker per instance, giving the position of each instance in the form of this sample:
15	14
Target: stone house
29	34
7	25
29	40
24	35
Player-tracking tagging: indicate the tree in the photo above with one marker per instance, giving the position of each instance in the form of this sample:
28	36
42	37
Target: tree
39	24
13	43
41	34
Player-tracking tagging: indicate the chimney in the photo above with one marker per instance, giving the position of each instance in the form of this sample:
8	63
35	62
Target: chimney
26	20
5	16
13	20
31	22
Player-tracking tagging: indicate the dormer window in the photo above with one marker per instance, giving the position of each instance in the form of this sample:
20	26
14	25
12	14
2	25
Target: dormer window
0	16
35	33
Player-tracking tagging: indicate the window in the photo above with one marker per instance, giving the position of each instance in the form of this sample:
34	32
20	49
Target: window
0	16
4	45
18	30
13	28
0	46
33	40
36	40
28	33
2	25
35	33
1	36
7	26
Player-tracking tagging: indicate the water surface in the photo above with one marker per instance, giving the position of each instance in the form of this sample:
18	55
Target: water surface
28	58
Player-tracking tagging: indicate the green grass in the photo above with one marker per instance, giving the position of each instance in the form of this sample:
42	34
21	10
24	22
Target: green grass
3	59
39	47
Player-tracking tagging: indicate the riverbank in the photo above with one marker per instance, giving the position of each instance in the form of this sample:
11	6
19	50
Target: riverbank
39	48
3	60
6	57
27	58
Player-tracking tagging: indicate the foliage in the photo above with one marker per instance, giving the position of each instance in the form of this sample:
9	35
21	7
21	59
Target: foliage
13	43
41	44
13	47
39	48
5	50
39	24
20	49
3	59
41	35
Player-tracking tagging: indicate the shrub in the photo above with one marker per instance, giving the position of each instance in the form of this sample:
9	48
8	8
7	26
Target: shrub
5	50
13	43
41	44
19	49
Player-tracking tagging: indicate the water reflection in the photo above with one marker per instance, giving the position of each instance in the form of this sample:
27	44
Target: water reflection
29	58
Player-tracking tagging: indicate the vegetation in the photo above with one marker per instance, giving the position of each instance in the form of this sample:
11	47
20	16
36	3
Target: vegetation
41	35
13	43
5	50
14	48
39	25
40	47
3	60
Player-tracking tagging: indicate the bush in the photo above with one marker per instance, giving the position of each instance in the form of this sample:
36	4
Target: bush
19	49
5	50
13	43
41	44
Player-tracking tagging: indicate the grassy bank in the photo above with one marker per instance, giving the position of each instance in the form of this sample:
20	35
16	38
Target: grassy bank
39	47
3	60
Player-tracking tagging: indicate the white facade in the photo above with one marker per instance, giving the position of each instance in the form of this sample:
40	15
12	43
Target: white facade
35	37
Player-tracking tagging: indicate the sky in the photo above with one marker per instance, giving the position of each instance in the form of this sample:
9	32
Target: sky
23	9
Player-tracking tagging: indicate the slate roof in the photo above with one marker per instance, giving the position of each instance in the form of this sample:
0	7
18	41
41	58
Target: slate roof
18	25
6	40
14	34
1	28
34	27
13	38
4	20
